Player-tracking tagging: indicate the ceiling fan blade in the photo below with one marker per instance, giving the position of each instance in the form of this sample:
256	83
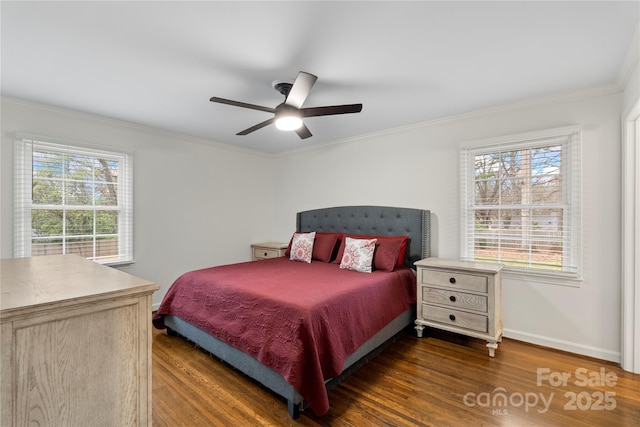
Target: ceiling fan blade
300	89
241	104
256	127
303	132
331	110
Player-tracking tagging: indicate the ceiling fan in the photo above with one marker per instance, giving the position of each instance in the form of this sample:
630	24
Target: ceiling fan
288	115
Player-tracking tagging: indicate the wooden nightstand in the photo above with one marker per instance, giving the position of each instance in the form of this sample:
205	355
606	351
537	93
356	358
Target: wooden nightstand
462	297
268	250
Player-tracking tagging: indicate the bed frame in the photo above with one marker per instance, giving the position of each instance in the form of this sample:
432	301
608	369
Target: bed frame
367	220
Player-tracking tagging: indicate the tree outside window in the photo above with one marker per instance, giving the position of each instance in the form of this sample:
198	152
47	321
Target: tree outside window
519	207
76	203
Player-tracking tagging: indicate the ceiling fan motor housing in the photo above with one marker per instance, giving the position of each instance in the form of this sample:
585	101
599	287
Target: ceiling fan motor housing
283	86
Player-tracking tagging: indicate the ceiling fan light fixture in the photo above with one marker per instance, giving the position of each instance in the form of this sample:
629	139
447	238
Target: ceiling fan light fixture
289	122
288	115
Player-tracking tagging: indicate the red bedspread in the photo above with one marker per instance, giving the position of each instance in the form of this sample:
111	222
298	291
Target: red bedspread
302	320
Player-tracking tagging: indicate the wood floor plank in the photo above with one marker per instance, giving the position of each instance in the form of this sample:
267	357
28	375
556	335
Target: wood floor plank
439	380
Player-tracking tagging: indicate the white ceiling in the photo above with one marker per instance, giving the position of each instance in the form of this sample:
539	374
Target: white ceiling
158	63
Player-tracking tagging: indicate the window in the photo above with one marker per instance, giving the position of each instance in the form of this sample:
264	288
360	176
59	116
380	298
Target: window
72	200
521	202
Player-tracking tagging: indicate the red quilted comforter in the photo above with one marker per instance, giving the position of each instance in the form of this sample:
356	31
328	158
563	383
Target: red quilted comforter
302	320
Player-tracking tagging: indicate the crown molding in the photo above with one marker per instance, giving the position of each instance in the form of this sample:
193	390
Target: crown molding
630	60
18	102
557	98
591	92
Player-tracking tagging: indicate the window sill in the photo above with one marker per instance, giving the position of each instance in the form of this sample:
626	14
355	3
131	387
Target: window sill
117	263
541	278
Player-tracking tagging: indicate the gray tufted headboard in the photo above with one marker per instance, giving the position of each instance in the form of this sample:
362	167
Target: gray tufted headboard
374	220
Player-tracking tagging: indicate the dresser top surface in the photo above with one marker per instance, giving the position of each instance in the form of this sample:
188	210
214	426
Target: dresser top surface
270	245
43	280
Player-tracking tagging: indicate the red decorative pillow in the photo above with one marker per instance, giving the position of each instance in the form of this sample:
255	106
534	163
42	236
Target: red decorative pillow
403	250
324	246
389	254
386	254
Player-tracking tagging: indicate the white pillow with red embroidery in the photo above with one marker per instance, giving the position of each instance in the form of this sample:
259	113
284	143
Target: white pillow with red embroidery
302	246
358	254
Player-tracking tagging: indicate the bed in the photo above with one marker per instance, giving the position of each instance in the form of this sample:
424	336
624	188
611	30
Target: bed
300	327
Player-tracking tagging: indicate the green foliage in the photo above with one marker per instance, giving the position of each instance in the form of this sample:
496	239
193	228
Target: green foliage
62	181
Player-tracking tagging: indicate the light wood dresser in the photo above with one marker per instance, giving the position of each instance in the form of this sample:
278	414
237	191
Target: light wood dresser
268	250
461	297
76	344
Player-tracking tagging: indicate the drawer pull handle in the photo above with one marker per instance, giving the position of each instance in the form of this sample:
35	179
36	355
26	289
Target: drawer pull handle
452	317
452	298
265	254
452	280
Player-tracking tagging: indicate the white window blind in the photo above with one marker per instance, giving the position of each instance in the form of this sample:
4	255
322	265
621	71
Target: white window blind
521	199
72	200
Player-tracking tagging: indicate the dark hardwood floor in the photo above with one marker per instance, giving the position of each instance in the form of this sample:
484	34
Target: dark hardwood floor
440	380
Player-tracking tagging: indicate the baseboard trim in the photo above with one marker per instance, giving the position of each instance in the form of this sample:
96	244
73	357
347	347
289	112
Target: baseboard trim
585	350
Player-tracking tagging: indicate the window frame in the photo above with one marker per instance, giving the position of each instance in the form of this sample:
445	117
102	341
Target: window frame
570	138
23	194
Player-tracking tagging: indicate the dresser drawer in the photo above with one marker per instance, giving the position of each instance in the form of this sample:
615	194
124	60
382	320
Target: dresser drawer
454	299
461	319
262	253
455	280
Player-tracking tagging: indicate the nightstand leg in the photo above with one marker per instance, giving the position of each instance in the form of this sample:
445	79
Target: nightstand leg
492	346
419	329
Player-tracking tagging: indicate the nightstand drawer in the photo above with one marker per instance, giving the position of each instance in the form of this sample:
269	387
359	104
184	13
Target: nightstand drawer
453	279
454	299
267	250
456	318
262	253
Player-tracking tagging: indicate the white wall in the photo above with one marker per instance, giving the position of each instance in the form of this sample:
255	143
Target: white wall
196	203
418	167
199	203
630	74
630	359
